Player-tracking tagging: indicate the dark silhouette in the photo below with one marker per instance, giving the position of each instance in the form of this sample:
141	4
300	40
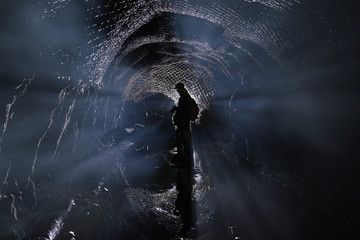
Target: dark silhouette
185	204
182	122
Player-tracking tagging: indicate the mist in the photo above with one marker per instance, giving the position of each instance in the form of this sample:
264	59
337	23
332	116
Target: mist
86	136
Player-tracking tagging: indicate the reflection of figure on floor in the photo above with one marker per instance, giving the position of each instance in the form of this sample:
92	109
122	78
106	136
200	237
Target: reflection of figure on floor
185	205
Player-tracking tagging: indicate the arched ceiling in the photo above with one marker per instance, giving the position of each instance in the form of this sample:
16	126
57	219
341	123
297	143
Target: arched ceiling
154	44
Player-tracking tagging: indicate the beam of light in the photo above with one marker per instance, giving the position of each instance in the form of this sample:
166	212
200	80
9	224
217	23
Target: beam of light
93	126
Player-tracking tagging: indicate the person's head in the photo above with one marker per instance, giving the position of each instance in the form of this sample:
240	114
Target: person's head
180	88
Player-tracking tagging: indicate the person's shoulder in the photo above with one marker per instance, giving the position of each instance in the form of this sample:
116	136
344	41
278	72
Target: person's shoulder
189	98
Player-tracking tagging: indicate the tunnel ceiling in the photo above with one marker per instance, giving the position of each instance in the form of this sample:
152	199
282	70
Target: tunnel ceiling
86	132
154	44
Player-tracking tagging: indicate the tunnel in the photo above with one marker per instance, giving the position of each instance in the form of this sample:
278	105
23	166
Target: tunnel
87	138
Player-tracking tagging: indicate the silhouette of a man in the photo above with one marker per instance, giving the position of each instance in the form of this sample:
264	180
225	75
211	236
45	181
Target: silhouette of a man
181	120
184	202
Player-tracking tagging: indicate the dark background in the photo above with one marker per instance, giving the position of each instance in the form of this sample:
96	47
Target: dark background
293	143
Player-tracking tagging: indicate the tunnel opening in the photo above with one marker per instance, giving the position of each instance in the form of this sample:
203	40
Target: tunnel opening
161	51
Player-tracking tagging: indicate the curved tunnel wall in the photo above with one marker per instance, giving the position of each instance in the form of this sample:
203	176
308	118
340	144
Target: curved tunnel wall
275	140
220	40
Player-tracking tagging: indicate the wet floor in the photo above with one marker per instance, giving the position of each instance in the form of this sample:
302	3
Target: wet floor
86	135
